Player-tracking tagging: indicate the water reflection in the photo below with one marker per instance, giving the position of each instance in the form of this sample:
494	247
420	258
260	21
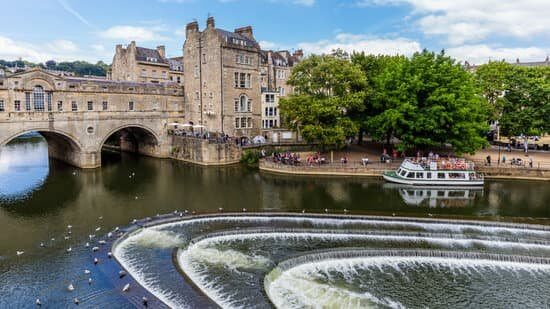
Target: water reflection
434	197
23	166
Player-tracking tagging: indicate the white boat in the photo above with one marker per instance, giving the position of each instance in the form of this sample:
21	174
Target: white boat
425	172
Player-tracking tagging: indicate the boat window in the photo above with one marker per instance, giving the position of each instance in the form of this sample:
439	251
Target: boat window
441	193
440	175
457	175
403	173
420	175
410	175
399	171
429	175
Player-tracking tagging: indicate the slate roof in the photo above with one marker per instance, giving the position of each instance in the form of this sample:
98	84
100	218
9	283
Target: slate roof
146	54
228	37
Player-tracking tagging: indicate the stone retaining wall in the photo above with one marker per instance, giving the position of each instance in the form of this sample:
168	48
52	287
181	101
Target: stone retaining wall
203	152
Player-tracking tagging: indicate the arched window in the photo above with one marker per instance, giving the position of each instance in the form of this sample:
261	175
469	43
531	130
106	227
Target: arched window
243	104
38	98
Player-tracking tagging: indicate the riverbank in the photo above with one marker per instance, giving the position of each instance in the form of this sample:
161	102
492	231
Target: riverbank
356	169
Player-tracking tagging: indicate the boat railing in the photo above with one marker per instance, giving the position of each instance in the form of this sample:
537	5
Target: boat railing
452	164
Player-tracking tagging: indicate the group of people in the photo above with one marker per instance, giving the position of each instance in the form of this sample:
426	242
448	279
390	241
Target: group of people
287	158
513	161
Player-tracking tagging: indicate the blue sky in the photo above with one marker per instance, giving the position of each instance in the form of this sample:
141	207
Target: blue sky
473	30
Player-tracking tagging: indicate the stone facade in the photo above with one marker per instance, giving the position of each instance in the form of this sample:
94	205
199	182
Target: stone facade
77	115
226	74
144	65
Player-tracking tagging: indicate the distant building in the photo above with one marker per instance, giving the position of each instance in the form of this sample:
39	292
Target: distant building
531	64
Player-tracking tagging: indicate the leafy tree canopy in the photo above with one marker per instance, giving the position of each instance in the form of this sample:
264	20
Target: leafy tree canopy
326	88
80	68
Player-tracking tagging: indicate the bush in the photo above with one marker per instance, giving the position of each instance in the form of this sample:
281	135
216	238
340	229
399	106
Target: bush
250	157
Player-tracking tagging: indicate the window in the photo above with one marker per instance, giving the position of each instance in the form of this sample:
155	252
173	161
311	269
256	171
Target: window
429	175
440	175
196	71
410	175
2	107
131	105
154	74
203	58
90	105
143	73
266	111
420	175
74	106
179	80
242	80
60	106
237	122
281	91
105	105
270	98
49	100
274	111
27	101
403	173
164	75
17	105
243	104
38	98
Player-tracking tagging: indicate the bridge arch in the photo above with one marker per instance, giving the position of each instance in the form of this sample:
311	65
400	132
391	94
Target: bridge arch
61	145
135	138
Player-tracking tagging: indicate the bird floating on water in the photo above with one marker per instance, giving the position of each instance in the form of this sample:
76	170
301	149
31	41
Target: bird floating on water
67	237
90	281
69	227
95	249
87	272
69	250
109	234
98	229
91	236
76	301
38	302
134	221
220	209
145	301
126	288
96	260
102	242
109	254
20	253
121	274
116	229
87	245
100	218
70	287
42	245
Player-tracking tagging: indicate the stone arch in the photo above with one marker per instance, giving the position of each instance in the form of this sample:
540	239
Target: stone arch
48	85
61	145
134	138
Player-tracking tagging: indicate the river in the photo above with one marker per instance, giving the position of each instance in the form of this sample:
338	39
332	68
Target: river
40	198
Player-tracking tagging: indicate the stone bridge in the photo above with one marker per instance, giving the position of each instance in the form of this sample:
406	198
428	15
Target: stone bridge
77	138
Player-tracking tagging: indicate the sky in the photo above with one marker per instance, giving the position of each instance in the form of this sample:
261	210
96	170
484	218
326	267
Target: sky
470	30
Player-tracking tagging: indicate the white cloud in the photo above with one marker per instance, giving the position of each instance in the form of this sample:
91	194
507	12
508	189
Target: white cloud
481	53
58	50
474	20
133	33
362	43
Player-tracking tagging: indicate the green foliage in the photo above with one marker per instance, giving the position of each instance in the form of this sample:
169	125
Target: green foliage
326	89
426	101
250	157
80	68
520	96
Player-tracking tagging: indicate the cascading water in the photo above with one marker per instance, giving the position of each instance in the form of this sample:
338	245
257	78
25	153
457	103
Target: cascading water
258	261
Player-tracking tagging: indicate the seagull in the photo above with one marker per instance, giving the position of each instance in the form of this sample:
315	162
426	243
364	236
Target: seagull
96	260
87	245
244	209
76	301
109	234
42	245
393	214
95	249
431	215
100	218
220	209
303	211
38	303
67	237
98	229
69	250
194	212
102	242
69	227
109	254
91	236
117	229
126	288
144	300
87	272
326	210
121	274
134	221
90	281
53	239
70	288
69	232
20	253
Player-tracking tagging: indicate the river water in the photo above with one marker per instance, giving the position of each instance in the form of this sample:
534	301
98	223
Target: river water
40	198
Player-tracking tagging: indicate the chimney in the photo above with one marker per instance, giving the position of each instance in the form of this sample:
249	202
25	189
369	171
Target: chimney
246	32
119	48
162	51
210	23
191	28
299	54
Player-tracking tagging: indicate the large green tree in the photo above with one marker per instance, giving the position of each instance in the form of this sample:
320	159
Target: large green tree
326	88
427	101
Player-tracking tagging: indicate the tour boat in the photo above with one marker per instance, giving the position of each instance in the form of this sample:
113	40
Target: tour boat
428	172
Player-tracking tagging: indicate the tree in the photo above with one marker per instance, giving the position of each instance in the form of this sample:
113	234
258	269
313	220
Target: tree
427	101
326	88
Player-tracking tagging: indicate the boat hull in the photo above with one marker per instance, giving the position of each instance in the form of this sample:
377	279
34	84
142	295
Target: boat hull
447	182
